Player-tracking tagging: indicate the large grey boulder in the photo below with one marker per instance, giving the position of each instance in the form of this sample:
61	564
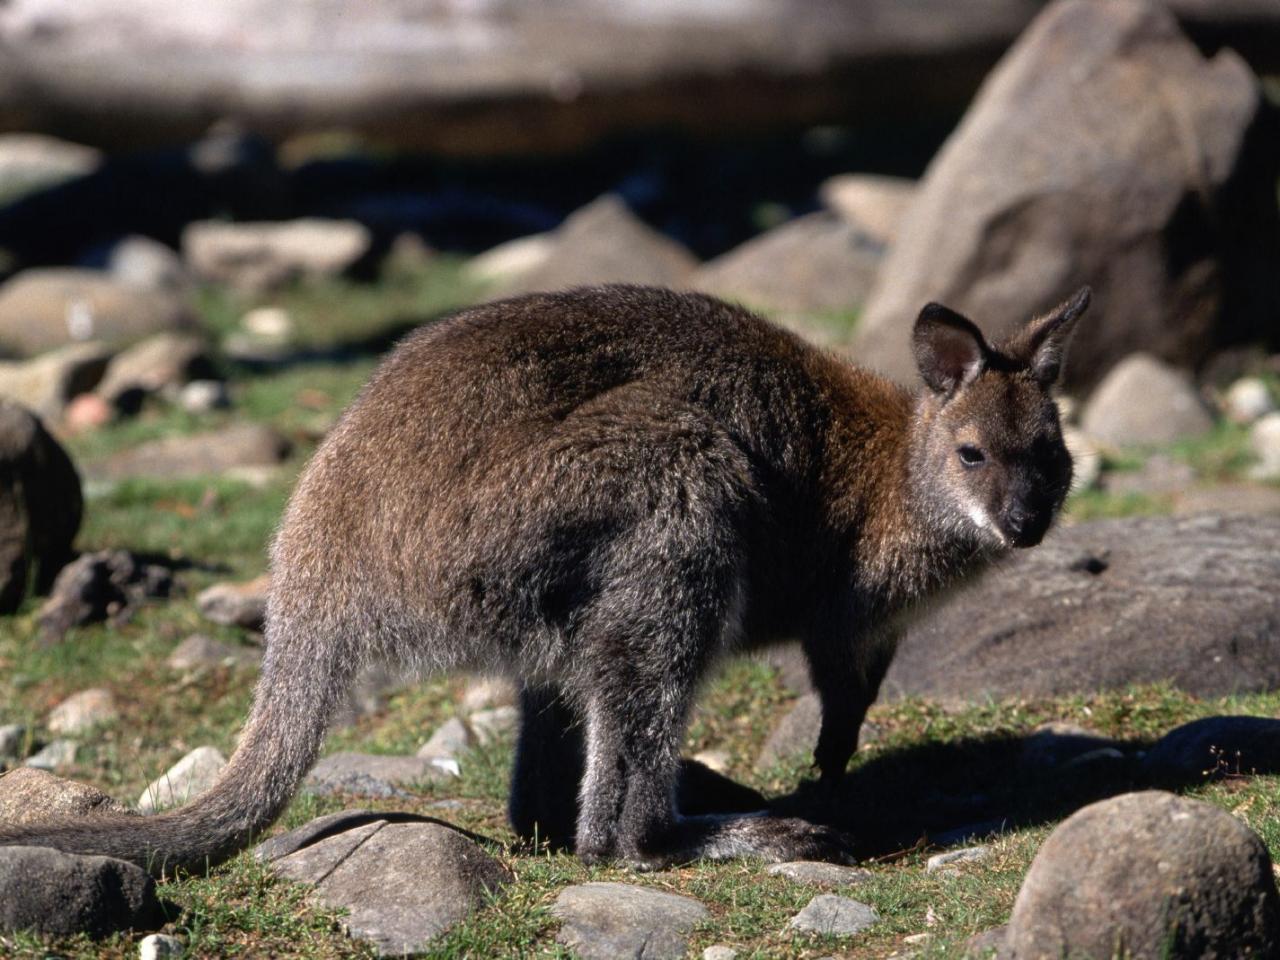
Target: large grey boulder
40	506
605	242
1190	600
1070	168
816	264
51	306
402	884
57	894
606	921
1149	875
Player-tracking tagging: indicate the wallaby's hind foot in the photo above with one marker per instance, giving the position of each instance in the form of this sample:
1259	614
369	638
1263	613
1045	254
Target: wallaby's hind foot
727	837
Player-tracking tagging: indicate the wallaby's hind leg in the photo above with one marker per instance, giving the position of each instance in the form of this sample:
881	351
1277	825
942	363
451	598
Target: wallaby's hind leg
548	768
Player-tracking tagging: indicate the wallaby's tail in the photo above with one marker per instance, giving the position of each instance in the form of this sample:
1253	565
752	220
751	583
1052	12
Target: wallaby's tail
302	678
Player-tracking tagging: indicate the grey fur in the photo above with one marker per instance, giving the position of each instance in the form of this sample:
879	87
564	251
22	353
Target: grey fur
601	493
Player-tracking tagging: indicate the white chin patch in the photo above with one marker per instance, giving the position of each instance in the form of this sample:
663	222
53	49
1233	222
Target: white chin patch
982	520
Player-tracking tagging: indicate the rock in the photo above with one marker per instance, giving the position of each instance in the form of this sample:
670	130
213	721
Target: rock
1159	476
1086	459
373	685
1143	402
1061	177
49	307
509	263
454	737
269	323
1216	746
792	666
819	874
372	775
159	946
55	755
1229	498
1246	400
605	242
830	914
86	412
31	795
236	604
83	711
605	921
796	734
199	651
204	396
188	778
719	951
163	362
1264	438
57	894
312	831
1057	744
147	264
13	741
108	584
32	161
717	761
1105	604
211	452
1164	876
874	204
254	257
815	264
49	383
40	506
943	862
401	883
484	693
491	725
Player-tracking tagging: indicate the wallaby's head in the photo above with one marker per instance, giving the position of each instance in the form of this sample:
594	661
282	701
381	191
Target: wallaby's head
988	456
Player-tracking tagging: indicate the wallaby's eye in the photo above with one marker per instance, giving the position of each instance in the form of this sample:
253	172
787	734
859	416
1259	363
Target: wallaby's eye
971	456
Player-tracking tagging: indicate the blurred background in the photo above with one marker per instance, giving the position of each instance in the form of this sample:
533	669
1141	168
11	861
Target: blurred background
214	218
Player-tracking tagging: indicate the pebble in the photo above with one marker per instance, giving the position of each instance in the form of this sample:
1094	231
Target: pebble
719	952
952	857
158	946
489	725
1246	400
452	738
83	711
819	874
1264	438
189	777
202	396
828	913
55	755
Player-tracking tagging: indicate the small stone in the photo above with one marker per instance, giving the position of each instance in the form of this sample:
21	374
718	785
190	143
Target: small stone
147	264
200	651
88	411
1246	400
188	778
83	711
484	693
52	893
831	914
55	755
371	775
48	384
942	861
716	761
1143	401
451	739
719	951
818	874
603	921
30	795
796	734
1264	438
236	604
254	257
13	740
159	946
186	455
270	323
401	884
160	363
1054	744
1215	747
489	725
203	396
509	262
108	584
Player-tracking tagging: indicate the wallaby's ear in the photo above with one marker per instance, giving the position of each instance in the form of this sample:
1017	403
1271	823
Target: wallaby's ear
949	349
1042	344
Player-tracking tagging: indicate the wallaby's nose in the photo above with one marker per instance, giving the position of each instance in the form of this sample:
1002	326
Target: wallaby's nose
1022	525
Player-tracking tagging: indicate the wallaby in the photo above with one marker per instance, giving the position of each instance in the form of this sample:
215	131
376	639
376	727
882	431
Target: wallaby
599	493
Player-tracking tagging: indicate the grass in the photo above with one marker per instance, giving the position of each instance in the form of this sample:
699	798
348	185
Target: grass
926	759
